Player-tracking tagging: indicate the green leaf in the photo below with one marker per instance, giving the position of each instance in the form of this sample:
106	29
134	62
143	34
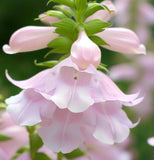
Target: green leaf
57	14
3	105
99	41
66	27
96	25
4	138
69	3
81	4
20	151
67	12
41	156
74	154
92	8
60	45
36	142
49	64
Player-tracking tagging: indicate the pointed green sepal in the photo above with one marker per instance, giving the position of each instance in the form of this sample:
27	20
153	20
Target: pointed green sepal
102	67
60	45
67	12
66	27
57	14
95	26
75	154
92	8
99	41
4	138
49	64
69	3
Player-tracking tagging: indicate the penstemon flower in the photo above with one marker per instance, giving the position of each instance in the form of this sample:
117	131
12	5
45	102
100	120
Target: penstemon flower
42	101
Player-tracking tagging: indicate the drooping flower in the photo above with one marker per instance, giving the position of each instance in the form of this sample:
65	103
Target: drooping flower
50	98
85	52
67	87
62	130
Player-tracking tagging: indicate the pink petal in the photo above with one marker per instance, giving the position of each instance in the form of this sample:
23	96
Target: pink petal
25	108
104	15
71	92
29	39
64	134
112	123
108	91
122	40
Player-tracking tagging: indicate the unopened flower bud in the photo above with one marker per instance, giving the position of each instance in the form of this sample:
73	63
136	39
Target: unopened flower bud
85	52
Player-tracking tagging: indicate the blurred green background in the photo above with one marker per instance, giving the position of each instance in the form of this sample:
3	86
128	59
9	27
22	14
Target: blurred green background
15	14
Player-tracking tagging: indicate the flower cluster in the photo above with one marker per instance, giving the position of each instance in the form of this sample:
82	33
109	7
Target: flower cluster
73	102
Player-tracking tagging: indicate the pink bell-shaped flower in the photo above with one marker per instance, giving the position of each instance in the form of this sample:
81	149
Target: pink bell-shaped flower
85	52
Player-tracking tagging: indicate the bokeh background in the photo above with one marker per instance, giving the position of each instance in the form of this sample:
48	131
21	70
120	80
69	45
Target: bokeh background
15	14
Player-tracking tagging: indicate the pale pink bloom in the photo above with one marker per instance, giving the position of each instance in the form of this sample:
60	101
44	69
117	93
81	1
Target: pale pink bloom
29	39
151	141
98	151
67	87
85	52
95	99
8	128
146	12
122	40
48	19
123	6
62	130
141	72
104	15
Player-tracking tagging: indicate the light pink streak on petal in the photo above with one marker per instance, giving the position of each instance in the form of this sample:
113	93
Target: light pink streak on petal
112	123
123	72
122	40
85	52
25	108
64	134
30	38
151	141
3	155
49	19
71	90
104	15
110	92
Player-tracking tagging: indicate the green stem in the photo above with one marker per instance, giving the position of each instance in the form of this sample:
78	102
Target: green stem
31	131
59	156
